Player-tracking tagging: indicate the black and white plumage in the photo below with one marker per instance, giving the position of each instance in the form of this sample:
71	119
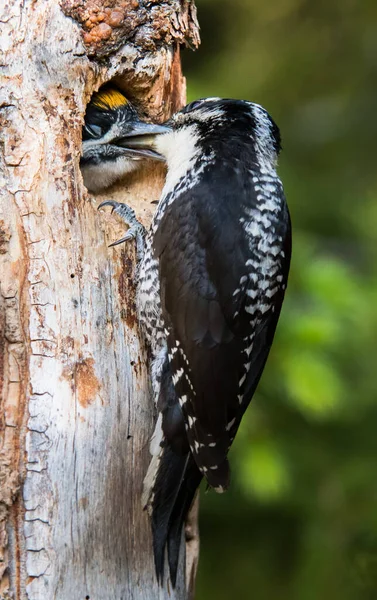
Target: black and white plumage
211	285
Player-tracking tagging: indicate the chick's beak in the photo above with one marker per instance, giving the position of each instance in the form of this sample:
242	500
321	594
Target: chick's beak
140	140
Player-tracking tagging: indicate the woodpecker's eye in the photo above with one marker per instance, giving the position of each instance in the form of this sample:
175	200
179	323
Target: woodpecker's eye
194	104
94	131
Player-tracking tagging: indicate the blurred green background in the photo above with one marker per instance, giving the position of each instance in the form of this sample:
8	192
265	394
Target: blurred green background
300	520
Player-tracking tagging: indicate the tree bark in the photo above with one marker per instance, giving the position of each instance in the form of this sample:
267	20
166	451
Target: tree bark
75	408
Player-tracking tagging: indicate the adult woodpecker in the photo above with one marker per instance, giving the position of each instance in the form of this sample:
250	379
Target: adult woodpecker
109	119
211	283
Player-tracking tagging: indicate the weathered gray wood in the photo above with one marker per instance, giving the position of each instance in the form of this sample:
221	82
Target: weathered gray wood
75	409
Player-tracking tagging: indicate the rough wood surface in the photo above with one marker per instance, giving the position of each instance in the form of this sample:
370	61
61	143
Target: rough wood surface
75	411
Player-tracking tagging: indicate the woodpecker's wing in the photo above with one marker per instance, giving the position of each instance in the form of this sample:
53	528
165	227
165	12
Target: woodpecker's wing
204	254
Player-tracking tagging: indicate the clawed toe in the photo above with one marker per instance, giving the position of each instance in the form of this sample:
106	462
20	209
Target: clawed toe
123	210
111	203
130	235
136	230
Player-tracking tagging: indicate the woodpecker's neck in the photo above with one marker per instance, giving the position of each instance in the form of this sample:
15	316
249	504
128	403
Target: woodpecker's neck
181	151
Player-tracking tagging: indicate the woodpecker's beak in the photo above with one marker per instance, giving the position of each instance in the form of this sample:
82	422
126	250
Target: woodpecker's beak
140	141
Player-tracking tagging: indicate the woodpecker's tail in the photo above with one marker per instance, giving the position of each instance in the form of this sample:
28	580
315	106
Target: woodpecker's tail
172	478
177	480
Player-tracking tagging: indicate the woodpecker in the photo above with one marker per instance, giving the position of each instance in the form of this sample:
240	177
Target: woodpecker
109	120
211	282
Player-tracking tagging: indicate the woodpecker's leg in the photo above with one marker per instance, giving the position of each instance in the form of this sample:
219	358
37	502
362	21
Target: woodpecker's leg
136	230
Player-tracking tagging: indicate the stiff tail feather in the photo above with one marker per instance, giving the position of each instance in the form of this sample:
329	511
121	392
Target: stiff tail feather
175	486
172	479
181	509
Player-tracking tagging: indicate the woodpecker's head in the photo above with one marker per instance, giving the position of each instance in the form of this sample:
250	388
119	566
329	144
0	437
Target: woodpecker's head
114	139
223	127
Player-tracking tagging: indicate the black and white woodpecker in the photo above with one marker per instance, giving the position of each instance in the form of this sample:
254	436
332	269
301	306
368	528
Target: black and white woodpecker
211	282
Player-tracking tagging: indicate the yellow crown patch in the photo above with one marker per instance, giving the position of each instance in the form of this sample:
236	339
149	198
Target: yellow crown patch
109	98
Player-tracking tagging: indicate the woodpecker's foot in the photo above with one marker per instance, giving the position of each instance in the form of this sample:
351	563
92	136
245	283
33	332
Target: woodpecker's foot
136	229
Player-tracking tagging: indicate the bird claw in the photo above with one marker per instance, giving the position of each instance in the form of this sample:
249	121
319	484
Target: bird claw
111	203
136	229
130	235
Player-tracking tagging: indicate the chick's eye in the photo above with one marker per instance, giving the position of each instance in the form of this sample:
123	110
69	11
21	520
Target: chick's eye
93	130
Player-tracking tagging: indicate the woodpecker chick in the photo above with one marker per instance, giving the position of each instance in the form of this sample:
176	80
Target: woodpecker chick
108	153
211	285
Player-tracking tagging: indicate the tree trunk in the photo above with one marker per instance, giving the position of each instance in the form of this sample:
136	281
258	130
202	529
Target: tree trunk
75	408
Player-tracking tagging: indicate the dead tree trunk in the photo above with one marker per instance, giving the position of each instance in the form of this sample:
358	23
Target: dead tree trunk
75	409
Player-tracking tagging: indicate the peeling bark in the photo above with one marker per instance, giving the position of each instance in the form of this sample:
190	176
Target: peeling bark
75	409
146	23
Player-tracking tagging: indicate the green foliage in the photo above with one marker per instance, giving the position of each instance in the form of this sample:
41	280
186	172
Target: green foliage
262	471
300	520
